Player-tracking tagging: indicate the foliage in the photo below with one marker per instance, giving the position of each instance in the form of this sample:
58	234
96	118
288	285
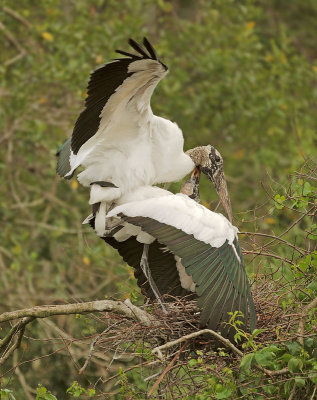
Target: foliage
243	78
43	394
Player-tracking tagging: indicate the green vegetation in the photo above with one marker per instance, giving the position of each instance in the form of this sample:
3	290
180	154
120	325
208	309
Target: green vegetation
243	77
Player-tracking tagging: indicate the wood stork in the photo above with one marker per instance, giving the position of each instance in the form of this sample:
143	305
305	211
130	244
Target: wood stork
180	248
118	140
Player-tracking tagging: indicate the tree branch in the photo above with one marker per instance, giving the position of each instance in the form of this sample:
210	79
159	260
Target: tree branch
125	308
301	325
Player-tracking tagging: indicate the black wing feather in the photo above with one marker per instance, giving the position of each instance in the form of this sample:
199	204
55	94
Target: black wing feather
150	48
138	48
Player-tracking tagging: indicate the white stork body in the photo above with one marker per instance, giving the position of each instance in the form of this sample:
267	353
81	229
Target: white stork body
149	154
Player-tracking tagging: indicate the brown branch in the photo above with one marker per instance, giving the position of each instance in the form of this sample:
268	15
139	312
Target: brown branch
17	16
12	39
261	253
14	330
275	238
159	380
15	346
157	350
125	308
301	325
226	342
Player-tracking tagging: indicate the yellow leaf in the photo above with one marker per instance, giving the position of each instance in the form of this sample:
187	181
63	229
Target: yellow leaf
43	100
98	59
283	106
74	184
269	58
250	25
270	220
315	68
86	261
47	36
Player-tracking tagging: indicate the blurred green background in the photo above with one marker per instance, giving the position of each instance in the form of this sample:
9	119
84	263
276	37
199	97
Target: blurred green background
243	78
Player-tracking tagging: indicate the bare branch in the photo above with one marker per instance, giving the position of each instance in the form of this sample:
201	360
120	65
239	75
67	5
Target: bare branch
158	350
17	16
301	325
125	308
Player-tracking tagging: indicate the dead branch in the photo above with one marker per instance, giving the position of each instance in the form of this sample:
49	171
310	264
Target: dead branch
13	40
157	350
125	308
301	325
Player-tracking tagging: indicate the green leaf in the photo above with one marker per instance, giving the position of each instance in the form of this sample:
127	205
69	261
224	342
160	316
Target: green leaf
300	382
294	348
246	362
294	364
192	363
264	358
307	189
224	394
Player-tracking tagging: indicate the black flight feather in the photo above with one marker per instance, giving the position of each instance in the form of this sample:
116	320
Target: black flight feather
138	48
125	53
149	48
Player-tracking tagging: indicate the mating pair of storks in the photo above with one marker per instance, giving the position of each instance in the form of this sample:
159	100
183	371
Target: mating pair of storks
176	246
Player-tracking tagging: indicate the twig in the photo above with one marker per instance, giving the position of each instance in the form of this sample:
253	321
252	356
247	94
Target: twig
166	370
314	392
17	45
261	253
15	346
157	350
17	16
18	326
275	238
292	394
301	324
226	342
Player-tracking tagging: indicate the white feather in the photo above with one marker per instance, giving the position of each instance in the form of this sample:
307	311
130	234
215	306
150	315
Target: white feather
182	213
185	279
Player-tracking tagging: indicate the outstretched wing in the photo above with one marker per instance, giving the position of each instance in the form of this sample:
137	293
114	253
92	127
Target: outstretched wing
215	265
221	282
115	91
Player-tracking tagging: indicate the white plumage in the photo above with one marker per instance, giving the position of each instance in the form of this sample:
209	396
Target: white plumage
178	211
117	138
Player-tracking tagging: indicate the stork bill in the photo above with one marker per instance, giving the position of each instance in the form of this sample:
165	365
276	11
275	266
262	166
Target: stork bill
118	140
191	251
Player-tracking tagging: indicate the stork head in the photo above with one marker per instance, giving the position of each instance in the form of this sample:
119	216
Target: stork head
209	160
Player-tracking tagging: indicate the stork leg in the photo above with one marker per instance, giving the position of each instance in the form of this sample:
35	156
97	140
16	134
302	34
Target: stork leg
144	264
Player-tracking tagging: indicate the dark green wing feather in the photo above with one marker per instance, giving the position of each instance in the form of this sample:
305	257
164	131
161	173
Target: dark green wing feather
221	281
63	154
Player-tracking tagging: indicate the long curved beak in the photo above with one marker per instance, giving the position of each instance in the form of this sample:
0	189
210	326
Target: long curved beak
222	190
220	184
